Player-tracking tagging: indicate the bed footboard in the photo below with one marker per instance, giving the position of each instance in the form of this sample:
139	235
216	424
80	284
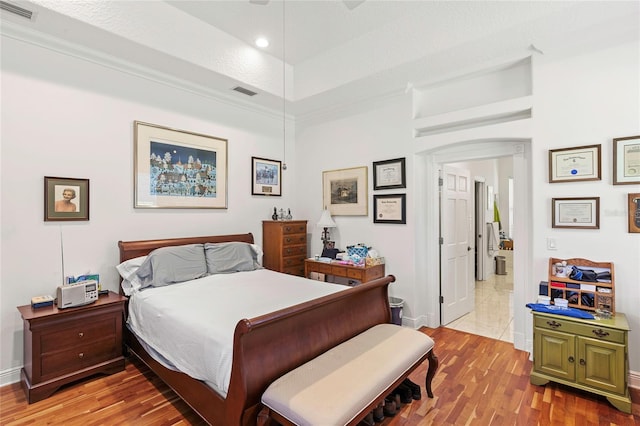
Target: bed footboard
268	346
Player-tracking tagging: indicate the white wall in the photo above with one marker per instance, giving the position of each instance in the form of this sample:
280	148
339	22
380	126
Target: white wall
66	117
579	100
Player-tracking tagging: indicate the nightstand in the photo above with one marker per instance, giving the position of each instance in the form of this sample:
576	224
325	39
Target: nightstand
358	273
64	345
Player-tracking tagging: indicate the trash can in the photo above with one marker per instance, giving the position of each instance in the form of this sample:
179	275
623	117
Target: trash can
396	310
501	265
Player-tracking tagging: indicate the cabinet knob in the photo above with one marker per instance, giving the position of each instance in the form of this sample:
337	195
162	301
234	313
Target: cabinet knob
571	359
81	355
81	334
553	324
600	333
582	362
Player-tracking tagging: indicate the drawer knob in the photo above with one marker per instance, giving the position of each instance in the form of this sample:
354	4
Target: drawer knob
287	228
81	355
571	359
288	240
553	324
81	334
600	333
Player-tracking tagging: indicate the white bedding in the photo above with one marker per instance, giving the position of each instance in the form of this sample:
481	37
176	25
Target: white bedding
191	324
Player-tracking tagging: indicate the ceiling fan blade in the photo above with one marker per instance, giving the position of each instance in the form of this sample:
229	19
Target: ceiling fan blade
352	4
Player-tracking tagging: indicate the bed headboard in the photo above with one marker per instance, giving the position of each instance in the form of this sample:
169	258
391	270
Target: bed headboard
131	249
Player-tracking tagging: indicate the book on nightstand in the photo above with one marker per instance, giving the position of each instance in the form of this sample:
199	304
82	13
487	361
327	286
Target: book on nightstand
41	301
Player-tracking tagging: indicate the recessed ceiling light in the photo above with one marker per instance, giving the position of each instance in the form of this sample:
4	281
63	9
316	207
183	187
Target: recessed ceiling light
262	42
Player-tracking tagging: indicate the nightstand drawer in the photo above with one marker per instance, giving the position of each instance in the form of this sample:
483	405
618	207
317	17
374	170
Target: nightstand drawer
57	363
294	239
78	334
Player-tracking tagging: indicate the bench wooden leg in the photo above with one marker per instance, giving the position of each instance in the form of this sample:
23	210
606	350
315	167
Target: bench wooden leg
433	366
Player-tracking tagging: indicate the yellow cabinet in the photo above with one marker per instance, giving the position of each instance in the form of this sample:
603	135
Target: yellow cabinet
591	355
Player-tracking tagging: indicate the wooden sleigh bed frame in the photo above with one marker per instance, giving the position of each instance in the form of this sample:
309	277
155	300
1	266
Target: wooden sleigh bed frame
268	346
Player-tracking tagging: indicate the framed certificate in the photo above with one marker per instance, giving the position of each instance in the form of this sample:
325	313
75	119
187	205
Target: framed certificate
580	213
626	160
390	208
389	174
575	164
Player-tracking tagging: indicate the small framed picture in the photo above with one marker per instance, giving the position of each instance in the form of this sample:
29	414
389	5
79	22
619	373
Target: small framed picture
575	164
390	208
634	212
626	160
389	174
66	199
580	213
266	177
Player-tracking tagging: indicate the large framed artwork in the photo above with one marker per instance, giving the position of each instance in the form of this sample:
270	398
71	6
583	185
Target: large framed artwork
390	208
576	212
389	174
266	177
66	199
626	160
345	191
177	169
575	164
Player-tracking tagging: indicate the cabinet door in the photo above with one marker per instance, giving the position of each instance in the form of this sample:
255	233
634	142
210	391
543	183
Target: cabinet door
601	365
554	353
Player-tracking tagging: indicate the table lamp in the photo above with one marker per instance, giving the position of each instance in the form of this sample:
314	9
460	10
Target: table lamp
326	222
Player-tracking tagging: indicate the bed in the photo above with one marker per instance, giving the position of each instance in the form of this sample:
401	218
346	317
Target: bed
266	346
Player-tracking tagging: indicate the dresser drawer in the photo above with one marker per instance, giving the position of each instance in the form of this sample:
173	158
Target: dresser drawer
295	228
294	270
78	333
294	239
586	330
297	261
294	251
56	363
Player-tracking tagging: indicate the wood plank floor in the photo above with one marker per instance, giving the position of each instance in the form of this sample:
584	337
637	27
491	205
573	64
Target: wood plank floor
480	381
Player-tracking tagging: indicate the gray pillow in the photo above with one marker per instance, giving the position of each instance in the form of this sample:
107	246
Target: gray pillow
170	265
230	257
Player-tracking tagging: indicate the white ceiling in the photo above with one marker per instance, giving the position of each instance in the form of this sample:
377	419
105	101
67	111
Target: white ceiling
334	55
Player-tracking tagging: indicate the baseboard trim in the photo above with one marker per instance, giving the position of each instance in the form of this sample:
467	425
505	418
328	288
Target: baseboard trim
10	376
634	379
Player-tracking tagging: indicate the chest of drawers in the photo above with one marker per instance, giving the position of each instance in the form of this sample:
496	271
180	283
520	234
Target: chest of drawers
285	245
64	345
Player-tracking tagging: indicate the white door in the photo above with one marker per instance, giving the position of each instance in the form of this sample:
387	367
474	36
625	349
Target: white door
457	286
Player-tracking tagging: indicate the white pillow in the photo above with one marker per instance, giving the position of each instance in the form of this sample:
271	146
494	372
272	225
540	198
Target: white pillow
258	250
128	268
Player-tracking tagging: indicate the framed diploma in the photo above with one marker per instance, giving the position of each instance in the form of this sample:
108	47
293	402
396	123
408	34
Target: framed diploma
580	213
390	208
626	160
575	164
389	174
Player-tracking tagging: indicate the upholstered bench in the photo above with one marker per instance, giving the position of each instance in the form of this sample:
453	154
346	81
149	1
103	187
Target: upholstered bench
342	385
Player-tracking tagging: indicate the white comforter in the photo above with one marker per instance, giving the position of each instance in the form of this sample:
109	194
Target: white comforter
191	324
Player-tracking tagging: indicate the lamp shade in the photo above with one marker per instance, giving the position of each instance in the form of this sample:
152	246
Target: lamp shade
325	220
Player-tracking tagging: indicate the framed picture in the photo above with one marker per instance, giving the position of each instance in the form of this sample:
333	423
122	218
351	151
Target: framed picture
266	177
176	169
390	208
626	160
634	212
580	213
389	174
344	191
575	164
66	199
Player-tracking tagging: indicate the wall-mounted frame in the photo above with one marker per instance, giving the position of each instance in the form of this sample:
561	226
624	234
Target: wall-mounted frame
390	208
266	177
634	212
577	212
66	199
575	164
626	160
389	174
176	169
344	191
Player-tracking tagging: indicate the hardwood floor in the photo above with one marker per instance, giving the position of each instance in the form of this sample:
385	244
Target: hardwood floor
480	381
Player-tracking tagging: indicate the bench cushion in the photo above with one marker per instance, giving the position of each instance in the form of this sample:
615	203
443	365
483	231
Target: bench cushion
333	388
